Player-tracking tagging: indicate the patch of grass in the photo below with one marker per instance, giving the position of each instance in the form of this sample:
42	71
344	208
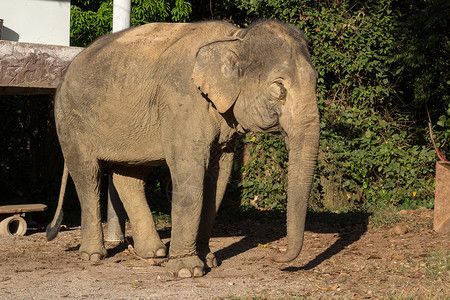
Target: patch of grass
417	226
384	215
387	218
437	265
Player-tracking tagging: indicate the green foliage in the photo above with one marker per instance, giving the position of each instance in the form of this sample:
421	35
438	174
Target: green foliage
181	11
86	26
444	126
374	160
91	19
264	177
380	64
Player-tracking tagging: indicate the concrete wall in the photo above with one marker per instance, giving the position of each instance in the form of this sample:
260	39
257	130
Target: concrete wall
29	68
36	21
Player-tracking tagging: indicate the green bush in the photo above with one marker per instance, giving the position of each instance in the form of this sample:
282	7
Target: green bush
380	65
263	178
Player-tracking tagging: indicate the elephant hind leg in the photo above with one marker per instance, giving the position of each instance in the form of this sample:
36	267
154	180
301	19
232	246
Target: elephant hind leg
86	177
130	185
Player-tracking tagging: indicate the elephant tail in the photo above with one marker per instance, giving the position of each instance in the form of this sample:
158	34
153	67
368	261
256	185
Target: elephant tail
53	228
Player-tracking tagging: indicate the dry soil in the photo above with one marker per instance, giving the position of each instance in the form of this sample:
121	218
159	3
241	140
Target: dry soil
342	260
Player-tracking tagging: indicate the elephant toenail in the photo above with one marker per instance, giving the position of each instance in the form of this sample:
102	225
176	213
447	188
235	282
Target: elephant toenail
84	256
184	273
161	252
212	262
96	257
198	272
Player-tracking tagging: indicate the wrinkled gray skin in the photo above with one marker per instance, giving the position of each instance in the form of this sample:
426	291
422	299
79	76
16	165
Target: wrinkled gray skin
177	94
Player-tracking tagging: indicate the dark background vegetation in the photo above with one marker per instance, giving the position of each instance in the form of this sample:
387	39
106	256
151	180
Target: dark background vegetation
381	65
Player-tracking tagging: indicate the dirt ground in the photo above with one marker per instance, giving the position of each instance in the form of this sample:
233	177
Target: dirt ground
342	260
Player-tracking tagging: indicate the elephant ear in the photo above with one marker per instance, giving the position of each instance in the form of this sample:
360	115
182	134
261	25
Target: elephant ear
217	70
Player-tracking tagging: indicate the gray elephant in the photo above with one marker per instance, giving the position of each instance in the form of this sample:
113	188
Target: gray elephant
178	94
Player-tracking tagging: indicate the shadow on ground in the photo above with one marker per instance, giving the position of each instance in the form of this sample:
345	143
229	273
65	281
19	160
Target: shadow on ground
349	226
261	227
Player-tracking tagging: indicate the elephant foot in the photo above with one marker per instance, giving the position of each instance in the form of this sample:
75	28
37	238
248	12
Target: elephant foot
92	254
185	267
151	250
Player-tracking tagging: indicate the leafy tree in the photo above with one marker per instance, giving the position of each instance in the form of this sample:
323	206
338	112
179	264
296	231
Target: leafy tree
91	19
380	63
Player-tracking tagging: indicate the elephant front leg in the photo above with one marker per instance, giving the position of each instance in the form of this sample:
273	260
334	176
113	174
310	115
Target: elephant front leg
216	180
186	209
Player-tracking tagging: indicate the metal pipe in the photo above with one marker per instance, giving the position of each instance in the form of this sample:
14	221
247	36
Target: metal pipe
121	15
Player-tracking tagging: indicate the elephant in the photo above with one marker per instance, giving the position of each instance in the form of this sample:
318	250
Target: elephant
179	94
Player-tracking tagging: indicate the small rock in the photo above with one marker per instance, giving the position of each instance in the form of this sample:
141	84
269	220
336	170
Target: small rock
400	229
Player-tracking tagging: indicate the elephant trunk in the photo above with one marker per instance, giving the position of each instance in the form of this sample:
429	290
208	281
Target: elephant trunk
303	144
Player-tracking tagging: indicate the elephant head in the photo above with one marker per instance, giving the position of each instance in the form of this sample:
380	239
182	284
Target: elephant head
265	75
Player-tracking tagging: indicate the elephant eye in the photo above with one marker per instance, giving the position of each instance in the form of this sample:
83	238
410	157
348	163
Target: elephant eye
278	92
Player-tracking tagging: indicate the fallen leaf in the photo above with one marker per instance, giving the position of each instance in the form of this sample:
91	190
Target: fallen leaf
417	275
374	256
333	287
202	285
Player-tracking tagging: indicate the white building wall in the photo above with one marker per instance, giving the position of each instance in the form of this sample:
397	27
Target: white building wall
36	21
